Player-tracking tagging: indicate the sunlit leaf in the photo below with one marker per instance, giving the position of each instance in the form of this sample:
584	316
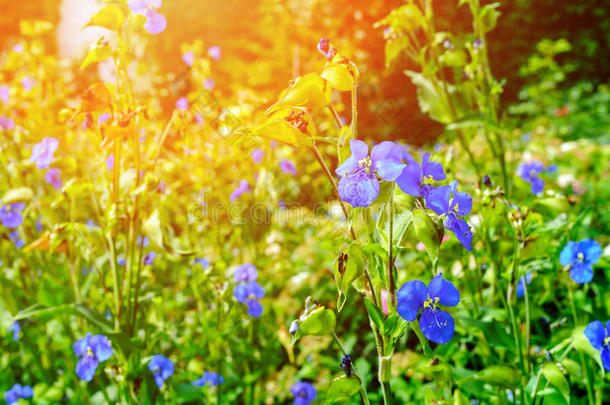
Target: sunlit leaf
111	17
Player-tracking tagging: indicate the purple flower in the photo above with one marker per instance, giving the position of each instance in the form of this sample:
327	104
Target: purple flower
209	377
257	155
436	325
38	224
27	83
155	22
146	241
18	48
199	118
110	162
120	261
599	337
521	283
182	103
19	243
244	187
52	178
529	172
477	44
42	152
250	293
445	200
214	52
16	392
294	327
162	368
304	393
208	84
7	123
103	118
5	94
188	58
149	258
245	272
358	184
326	49
581	256
10	215
92	350
203	262
412	180
16	329
288	167
447	44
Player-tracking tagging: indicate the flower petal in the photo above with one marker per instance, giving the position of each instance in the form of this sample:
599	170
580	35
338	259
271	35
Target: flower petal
360	150
437	326
438	199
432	169
85	368
568	253
387	160
605	354
410	179
591	250
155	22
462	203
240	292
410	298
537	184
446	292
80	346
460	229
100	345
359	191
581	273
255	308
596	334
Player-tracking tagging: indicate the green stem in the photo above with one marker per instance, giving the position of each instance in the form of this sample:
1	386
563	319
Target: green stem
585	369
391	282
355	112
363	396
335	116
115	275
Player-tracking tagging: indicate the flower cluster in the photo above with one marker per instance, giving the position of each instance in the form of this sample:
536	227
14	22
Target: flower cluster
162	368
360	174
581	256
92	350
248	291
436	325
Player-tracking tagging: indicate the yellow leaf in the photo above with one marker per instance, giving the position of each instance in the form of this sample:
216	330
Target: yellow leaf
309	91
290	126
97	52
341	74
110	17
18	195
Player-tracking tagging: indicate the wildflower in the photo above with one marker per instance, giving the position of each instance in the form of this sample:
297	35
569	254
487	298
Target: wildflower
155	22
10	215
244	187
52	178
203	262
447	44
249	293
42	152
144	242
358	184
294	327
28	83
440	200
581	256
188	58
214	52
6	123
257	155
529	172
599	337
346	365
5	94
149	258
162	368
412	179
521	283
14	394
110	162
210	377
19	243
436	325
208	84
38	224
16	329
121	261
103	118
182	103
245	273
326	49
287	166
477	44
92	350
487	180
304	393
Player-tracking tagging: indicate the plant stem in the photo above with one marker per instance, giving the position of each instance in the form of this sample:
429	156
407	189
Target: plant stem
355	111
585	369
391	282
363	396
335	116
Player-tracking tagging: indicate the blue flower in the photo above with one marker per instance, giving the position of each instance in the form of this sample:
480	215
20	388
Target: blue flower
287	166
121	261
42	152
210	377
412	179
12	396
436	325
581	256
162	368
10	215
245	272
203	262
244	187
358	184
599	337
16	329
19	243
445	200
304	393
92	350
52	178
294	327
143	242
521	283
250	293
149	258
529	172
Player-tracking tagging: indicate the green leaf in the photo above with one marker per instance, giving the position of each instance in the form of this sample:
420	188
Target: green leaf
393	48
460	399
488	15
343	148
401	224
348	268
342	389
429	234
111	17
152	227
318	322
422	339
394	326
502	376
374	313
555	376
430	101
17	195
